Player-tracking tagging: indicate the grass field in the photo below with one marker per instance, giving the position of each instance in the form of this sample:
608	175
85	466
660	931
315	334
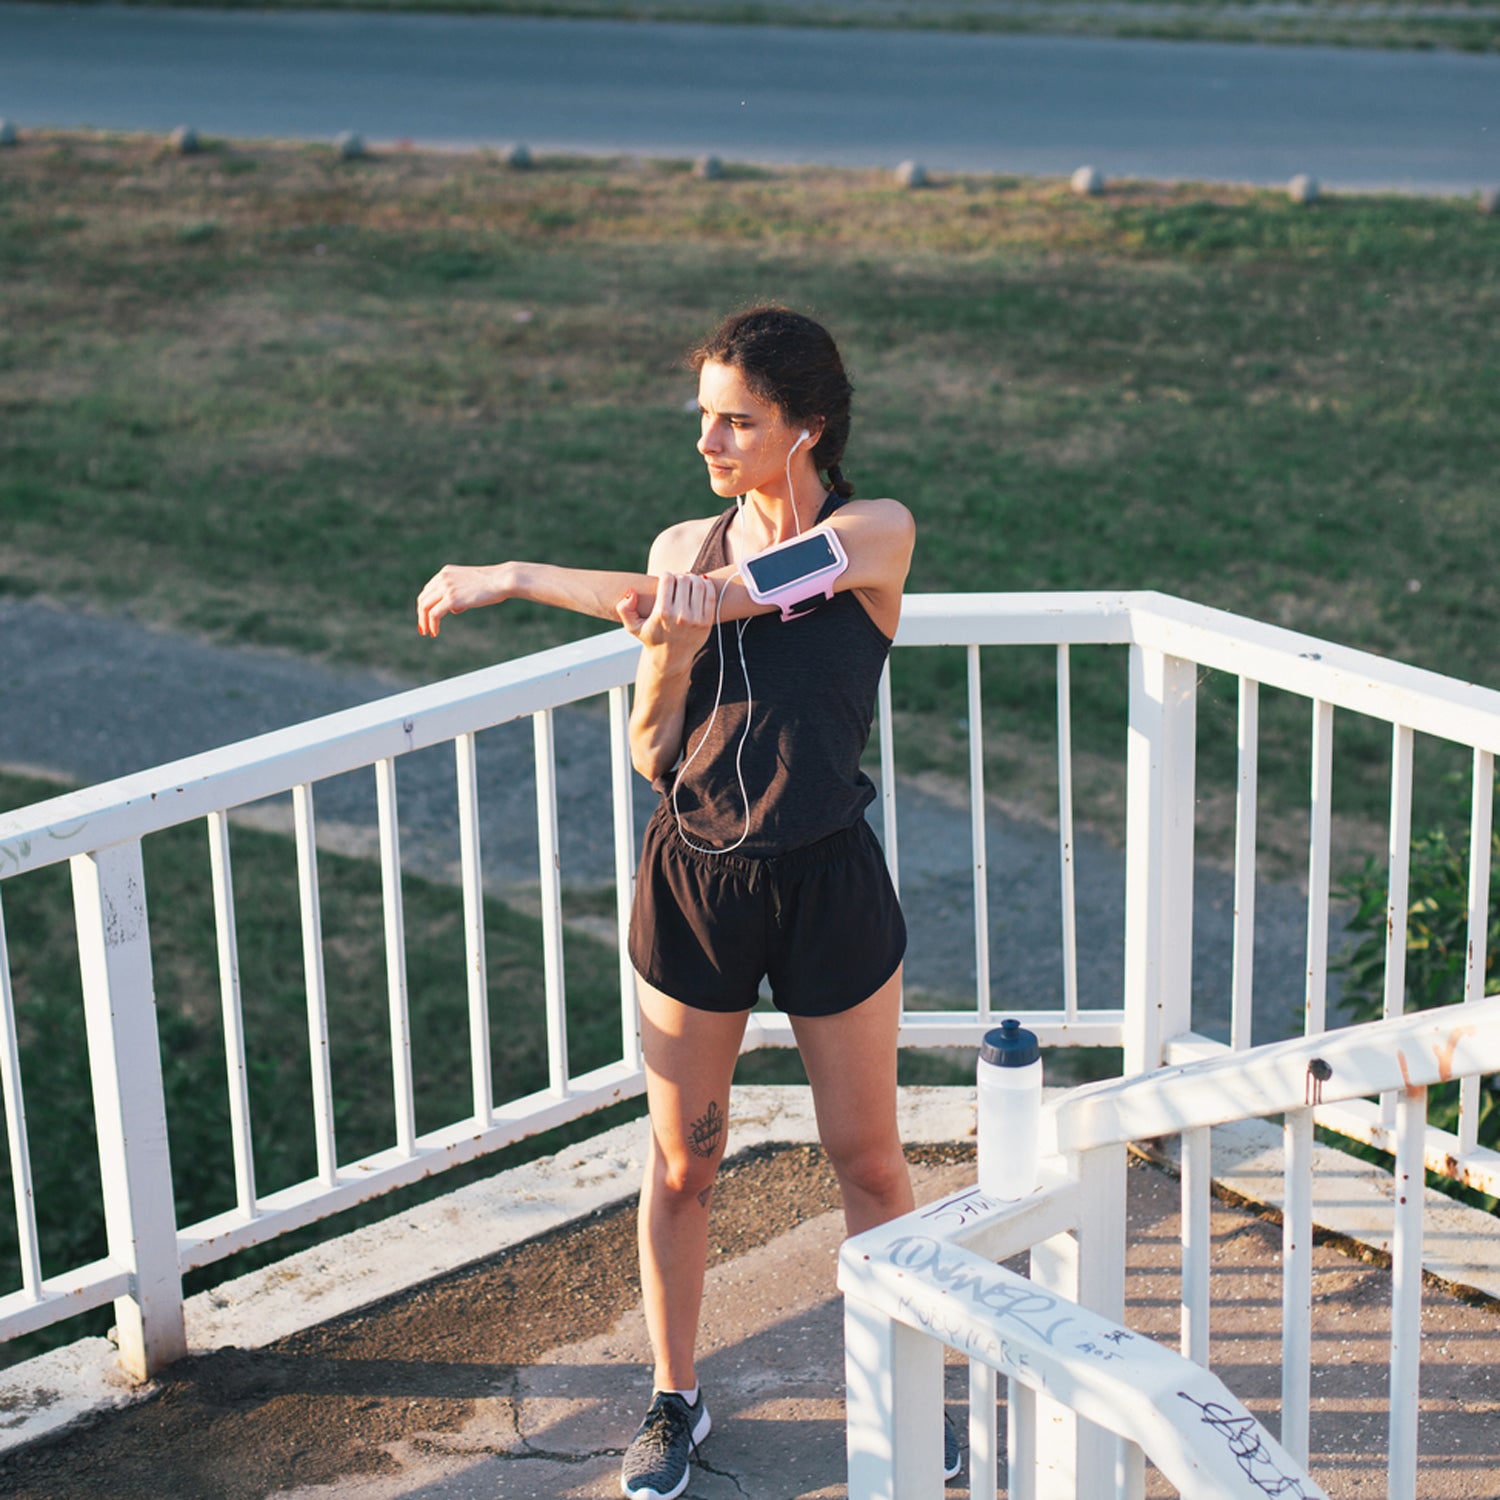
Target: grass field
1469	25
261	393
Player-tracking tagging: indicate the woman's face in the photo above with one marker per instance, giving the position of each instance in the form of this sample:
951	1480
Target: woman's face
745	439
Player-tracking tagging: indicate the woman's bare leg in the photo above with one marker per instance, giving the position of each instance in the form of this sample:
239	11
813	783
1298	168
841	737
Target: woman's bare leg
851	1063
690	1056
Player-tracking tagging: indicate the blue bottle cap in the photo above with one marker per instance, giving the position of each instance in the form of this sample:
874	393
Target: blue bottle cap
1010	1046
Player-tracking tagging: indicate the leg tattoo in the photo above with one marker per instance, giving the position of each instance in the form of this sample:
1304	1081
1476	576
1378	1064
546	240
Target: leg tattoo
706	1132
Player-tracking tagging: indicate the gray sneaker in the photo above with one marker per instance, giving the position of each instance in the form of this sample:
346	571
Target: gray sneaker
655	1466
952	1458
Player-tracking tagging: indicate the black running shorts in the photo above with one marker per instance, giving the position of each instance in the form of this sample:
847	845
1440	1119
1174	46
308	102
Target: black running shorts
822	922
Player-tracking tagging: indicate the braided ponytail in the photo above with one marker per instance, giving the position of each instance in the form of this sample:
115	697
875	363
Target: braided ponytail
838	484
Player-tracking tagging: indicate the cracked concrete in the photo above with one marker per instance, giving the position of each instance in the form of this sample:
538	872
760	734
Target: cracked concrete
772	1369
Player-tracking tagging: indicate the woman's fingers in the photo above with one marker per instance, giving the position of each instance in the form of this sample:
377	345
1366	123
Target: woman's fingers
450	591
435	601
683	610
687	599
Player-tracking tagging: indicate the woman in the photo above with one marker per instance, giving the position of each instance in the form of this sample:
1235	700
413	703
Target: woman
758	863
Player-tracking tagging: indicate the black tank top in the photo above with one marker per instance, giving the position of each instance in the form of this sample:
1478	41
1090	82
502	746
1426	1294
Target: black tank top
812	685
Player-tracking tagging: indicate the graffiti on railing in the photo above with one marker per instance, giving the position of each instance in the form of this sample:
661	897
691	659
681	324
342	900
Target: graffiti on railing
953	1213
1002	1296
17	853
1247	1443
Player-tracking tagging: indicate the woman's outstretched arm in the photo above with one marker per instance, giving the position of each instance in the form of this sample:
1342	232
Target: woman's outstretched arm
586	591
877	535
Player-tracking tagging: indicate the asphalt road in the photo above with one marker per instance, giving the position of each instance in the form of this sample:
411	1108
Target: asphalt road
1414	121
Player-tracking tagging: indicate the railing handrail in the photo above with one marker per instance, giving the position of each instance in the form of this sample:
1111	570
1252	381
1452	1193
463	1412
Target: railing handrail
148	801
1406	1052
933	1272
1180	1415
352	739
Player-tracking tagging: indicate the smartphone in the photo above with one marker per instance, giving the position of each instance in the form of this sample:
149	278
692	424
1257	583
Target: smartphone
792	572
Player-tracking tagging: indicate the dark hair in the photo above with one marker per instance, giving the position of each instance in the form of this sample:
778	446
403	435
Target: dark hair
792	362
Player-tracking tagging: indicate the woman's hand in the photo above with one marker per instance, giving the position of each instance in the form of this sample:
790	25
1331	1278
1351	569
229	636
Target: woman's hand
453	589
680	617
672	630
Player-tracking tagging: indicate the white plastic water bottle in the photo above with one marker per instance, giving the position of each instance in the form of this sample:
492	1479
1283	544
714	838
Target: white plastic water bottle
1010	1106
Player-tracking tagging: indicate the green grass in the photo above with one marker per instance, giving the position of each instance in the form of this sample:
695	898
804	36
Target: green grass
273	391
1471	26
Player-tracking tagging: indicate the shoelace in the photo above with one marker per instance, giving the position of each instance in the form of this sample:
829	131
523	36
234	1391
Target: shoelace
664	1421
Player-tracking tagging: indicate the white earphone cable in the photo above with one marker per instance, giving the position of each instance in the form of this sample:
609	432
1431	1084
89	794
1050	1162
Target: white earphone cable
739	753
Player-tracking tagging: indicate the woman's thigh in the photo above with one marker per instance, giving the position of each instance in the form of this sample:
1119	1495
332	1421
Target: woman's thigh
850	1058
690	1056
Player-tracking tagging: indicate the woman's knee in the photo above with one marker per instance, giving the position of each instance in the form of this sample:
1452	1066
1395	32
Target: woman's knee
875	1169
684	1172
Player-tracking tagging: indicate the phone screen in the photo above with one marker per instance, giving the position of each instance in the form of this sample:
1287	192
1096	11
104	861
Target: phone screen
810	555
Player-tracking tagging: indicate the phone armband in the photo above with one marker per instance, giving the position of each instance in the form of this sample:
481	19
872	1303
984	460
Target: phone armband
792	572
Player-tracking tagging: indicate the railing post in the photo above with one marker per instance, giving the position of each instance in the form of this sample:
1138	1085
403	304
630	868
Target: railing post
1095	1280
114	951
894	1378
1160	774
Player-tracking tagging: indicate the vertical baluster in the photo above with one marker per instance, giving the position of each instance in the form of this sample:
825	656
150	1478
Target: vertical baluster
233	1012
1065	845
1020	1441
1398	882
15	1129
894	1405
317	990
977	839
984	1435
1130	1470
1296	1284
395	956
1318	868
1161	761
888	776
551	892
1197	1176
476	961
135	1168
1406	1293
624	815
1480	820
1246	814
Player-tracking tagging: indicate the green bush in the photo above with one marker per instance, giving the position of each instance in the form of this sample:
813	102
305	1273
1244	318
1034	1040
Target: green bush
1437	940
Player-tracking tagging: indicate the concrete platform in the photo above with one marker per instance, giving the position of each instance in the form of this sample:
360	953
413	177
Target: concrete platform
509	1371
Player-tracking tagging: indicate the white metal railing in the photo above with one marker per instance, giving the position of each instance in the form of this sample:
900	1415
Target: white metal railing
930	1279
98	831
